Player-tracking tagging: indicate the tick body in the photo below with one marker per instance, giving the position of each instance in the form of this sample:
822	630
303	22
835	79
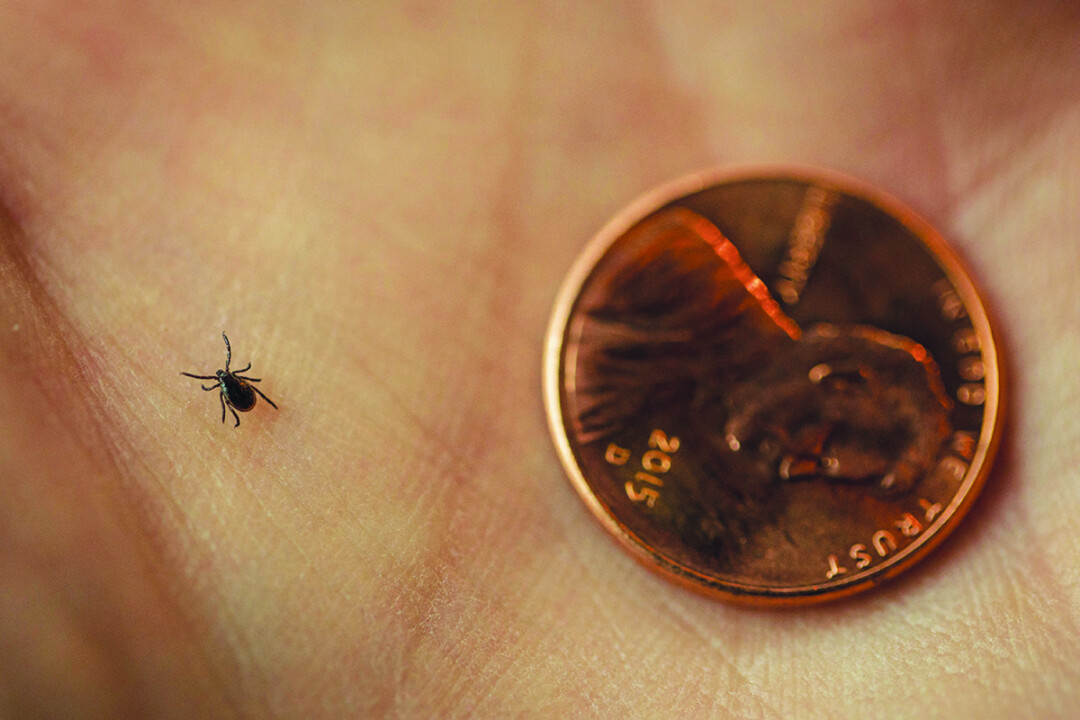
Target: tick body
236	390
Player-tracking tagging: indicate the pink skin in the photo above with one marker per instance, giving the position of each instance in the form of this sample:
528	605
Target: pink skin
378	201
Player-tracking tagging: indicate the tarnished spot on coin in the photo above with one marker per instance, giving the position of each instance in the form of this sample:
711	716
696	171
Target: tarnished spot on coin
773	386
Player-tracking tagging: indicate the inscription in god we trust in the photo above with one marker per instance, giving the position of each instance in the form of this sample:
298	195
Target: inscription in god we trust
783	416
965	341
654	463
886	541
804	245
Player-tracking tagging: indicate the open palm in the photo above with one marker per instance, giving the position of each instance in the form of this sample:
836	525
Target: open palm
377	202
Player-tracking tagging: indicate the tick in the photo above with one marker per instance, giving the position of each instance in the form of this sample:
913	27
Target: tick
236	390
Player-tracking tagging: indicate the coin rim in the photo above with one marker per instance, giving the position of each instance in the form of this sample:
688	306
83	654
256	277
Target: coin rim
944	256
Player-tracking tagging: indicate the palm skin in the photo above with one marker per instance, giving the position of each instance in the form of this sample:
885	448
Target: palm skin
379	204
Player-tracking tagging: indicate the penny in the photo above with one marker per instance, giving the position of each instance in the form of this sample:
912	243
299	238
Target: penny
775	386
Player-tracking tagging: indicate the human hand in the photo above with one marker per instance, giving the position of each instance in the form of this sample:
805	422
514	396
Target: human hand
378	204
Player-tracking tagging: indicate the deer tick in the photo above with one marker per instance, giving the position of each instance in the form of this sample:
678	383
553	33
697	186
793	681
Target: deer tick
236	390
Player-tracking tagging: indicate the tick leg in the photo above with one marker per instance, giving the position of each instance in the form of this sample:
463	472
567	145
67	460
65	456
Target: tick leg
212	387
249	379
200	377
263	396
235	416
237	372
228	350
221	397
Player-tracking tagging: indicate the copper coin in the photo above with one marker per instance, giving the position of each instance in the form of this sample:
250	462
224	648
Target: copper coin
774	385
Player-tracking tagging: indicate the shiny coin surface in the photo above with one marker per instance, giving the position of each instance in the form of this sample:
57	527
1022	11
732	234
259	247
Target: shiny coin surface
774	385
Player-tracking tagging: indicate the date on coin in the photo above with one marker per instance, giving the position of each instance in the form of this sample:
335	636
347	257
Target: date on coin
773	386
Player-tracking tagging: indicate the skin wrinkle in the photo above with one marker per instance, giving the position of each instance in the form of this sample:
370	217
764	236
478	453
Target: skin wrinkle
455	458
68	395
175	549
449	552
750	694
45	345
737	658
1026	353
1029	116
188	535
465	451
241	653
304	633
445	618
948	628
398	568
